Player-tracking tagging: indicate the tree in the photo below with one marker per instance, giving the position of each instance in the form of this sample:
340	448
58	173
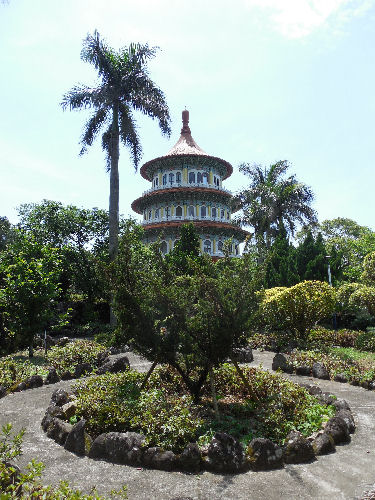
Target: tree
5	232
272	200
311	258
125	86
29	289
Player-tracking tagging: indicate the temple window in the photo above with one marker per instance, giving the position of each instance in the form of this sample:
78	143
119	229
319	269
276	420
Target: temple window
178	211
164	179
203	211
237	250
213	211
220	246
205	178
149	215
191	212
157	212
178	177
171	178
228	216
222	214
199	177
191	177
207	246
166	211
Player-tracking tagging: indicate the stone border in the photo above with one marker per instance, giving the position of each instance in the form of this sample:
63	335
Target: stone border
225	454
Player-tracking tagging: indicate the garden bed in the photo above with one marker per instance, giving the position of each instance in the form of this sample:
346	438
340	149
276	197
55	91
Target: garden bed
271	422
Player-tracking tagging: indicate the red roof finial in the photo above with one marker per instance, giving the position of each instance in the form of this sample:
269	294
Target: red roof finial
185	122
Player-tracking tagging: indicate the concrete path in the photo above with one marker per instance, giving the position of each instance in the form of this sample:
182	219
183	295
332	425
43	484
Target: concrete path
345	474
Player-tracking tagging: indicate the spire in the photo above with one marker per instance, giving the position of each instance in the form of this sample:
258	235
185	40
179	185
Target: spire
185	122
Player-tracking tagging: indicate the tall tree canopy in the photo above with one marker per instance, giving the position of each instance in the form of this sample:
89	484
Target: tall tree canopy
272	201
125	87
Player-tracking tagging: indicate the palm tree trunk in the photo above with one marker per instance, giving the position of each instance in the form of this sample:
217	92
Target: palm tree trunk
114	195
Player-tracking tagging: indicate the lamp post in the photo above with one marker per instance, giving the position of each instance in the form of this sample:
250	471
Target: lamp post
330	284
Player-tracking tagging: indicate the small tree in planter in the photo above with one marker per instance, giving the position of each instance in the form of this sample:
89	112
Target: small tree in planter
191	321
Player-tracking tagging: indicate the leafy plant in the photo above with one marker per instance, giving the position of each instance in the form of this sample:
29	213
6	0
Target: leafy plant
80	351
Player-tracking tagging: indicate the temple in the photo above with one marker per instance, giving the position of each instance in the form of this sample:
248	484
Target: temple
187	187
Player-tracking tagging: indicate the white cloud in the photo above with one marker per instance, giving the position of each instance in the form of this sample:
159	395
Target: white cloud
300	18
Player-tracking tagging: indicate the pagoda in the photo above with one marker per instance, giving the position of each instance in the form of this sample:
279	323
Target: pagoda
187	187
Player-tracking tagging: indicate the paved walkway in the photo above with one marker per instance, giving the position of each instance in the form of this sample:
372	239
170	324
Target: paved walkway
345	474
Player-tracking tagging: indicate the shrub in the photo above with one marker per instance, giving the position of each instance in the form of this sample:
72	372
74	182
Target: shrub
297	308
366	341
13	371
80	351
322	337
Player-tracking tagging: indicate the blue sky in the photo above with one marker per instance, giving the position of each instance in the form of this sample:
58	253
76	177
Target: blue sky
264	80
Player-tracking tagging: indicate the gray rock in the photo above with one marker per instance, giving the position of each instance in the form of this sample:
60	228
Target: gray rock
327	398
116	350
69	409
20	387
52	377
59	397
82	369
78	441
347	416
341	377
243	355
58	430
303	370
314	390
341	404
225	454
297	449
263	454
365	384
66	375
102	358
190	458
338	429
323	444
281	361
3	391
63	341
320	371
118	447
157	458
34	381
51	412
115	365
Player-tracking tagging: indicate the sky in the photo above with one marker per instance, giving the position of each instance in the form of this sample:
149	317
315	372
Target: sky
263	80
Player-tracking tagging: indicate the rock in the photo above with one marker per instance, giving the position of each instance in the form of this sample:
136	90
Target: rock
115	365
58	430
323	444
118	447
69	409
341	377
297	449
372	386
66	375
347	416
3	391
34	381
314	390
354	382
156	458
51	412
78	441
243	355
303	370
190	458
63	341
50	342
365	384
341	404
327	398
102	358
225	454
319	371
52	377
282	362
82	369
115	350
20	387
263	454
59	397
338	429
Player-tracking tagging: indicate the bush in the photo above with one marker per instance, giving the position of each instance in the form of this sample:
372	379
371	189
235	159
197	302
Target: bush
13	371
297	308
322	337
80	351
366	341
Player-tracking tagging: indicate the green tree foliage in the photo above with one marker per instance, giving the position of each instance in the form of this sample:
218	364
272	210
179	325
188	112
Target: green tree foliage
298	308
186	251
280	265
80	234
273	200
191	321
368	275
5	231
125	86
29	289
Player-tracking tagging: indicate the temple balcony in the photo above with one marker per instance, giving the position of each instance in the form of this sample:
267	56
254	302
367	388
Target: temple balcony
185	185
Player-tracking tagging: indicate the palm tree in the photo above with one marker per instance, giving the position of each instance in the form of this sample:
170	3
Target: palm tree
273	201
125	86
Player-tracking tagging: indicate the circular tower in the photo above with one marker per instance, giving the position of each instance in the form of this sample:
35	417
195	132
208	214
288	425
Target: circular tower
187	187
